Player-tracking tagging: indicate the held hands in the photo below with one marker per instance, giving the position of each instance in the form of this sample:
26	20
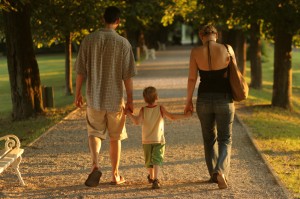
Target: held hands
128	108
127	111
189	113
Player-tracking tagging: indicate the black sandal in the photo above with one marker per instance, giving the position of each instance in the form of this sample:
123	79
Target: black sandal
93	178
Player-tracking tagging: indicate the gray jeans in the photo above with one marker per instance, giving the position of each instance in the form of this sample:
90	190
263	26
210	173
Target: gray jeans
216	114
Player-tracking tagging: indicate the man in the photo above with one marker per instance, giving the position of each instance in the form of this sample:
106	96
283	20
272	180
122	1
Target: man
105	60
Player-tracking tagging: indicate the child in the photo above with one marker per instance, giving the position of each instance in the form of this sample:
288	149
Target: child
151	118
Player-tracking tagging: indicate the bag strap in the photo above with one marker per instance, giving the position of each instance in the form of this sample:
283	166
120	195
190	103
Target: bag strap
226	46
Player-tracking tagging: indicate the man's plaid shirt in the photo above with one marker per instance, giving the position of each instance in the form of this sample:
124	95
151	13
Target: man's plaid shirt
105	59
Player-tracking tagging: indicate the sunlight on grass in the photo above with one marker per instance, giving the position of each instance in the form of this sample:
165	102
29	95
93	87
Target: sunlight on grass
285	160
277	135
52	73
276	130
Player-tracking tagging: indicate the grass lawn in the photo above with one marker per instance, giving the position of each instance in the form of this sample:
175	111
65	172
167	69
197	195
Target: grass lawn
52	73
275	130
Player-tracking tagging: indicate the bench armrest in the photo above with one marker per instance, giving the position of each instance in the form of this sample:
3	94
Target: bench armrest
11	142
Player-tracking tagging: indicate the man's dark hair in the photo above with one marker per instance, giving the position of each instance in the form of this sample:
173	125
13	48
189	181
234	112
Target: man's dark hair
111	14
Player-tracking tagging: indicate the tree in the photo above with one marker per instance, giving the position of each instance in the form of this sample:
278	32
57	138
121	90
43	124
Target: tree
22	65
65	21
219	13
248	15
143	18
255	56
284	19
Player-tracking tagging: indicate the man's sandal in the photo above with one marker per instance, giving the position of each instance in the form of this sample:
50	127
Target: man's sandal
93	178
121	181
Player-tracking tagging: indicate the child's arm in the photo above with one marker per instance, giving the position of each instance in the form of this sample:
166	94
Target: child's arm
136	119
173	116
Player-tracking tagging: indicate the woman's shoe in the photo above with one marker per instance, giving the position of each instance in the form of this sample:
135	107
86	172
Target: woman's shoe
222	182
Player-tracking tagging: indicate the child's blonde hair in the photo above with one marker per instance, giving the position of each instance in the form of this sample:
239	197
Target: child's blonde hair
150	94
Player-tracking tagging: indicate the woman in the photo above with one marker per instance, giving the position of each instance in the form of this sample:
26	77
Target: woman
215	108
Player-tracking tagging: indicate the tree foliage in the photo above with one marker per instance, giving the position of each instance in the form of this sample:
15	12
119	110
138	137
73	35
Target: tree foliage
64	21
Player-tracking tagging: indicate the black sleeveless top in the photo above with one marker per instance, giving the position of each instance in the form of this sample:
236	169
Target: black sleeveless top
214	81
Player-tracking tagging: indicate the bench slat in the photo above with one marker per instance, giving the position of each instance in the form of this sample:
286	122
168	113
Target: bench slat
10	158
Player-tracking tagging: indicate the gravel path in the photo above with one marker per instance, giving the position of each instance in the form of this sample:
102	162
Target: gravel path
57	164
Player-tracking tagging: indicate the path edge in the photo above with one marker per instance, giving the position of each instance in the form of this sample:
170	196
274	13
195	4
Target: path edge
262	156
52	127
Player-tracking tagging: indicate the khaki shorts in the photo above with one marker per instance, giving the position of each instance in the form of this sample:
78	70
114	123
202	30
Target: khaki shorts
101	123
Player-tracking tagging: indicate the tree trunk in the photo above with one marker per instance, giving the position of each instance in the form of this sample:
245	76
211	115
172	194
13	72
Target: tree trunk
68	64
282	85
26	92
255	57
237	40
240	51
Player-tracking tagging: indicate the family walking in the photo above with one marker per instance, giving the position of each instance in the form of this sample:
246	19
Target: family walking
105	63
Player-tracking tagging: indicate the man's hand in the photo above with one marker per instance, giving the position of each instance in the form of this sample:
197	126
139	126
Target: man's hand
129	107
78	101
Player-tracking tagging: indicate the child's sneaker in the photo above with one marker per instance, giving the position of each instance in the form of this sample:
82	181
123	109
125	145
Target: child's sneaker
149	179
155	184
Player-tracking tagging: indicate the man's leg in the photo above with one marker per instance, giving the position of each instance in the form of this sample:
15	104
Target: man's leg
115	155
95	146
95	175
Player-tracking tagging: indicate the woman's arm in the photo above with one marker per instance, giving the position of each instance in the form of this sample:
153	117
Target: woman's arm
193	69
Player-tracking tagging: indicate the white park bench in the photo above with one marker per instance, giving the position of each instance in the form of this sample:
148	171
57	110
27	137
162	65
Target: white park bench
11	154
149	52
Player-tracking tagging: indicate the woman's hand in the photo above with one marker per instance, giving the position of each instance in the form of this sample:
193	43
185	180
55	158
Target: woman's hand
189	107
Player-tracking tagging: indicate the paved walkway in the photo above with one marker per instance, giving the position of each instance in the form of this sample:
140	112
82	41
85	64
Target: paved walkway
57	164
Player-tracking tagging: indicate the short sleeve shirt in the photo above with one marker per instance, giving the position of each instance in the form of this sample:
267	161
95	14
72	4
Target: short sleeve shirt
105	59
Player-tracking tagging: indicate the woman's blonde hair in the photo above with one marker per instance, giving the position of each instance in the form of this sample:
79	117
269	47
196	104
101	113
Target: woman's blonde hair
207	30
150	94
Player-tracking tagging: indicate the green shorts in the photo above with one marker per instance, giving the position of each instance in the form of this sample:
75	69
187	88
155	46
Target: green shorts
154	154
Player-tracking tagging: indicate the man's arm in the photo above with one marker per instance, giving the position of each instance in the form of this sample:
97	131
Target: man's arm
78	96
129	90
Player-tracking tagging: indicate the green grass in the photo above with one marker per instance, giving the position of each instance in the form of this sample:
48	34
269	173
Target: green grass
276	130
52	73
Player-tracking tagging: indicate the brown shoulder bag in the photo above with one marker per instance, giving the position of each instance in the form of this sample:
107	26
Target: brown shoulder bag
239	86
